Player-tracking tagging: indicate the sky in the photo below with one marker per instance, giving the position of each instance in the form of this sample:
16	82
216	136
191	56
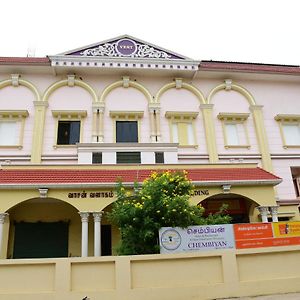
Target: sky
258	31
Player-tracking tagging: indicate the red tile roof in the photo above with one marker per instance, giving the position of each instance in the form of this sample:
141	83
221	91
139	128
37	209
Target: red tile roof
248	67
102	176
24	61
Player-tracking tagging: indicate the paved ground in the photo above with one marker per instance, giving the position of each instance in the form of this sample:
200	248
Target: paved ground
293	296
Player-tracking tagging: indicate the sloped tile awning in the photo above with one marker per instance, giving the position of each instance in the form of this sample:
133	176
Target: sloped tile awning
108	177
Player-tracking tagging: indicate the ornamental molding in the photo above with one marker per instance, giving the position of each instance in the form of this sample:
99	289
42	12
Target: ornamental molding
97	216
126	48
76	61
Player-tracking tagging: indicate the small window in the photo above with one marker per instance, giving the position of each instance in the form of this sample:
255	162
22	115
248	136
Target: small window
12	128
68	132
9	133
69	127
290	130
126	131
291	134
97	158
126	125
159	158
182	127
236	134
183	133
128	157
235	129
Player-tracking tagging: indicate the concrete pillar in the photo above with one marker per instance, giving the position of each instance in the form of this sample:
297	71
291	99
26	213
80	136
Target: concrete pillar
263	210
97	233
84	233
2	220
274	213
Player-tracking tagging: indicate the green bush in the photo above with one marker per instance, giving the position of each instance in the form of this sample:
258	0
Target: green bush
161	201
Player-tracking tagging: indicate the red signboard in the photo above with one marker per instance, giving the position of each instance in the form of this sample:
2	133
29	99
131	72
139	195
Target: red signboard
253	231
269	242
257	235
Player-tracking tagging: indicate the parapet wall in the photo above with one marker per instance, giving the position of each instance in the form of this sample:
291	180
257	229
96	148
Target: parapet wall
198	275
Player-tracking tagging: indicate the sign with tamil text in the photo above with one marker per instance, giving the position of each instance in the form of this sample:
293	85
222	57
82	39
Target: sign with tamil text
84	194
259	235
196	238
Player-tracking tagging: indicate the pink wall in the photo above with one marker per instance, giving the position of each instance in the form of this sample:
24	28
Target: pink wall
67	98
278	95
182	100
126	99
19	98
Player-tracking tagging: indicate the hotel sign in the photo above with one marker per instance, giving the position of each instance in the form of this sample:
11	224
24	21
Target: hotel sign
196	238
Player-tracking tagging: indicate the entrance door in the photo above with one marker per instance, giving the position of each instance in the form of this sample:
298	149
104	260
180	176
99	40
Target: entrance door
41	240
105	240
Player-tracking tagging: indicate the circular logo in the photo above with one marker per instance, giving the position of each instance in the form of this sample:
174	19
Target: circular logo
126	47
170	239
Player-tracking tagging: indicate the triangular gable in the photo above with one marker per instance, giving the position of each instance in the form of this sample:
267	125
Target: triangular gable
124	46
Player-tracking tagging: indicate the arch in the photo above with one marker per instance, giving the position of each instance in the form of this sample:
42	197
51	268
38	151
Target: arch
124	83
23	82
231	86
36	223
65	82
241	208
22	201
184	85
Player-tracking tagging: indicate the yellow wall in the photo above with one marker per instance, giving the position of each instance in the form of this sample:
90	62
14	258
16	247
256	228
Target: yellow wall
203	275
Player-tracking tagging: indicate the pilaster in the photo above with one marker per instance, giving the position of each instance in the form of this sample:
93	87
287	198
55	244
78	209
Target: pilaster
262	137
98	117
38	131
207	110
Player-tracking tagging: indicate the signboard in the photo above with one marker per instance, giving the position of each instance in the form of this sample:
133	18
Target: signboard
196	238
83	194
286	229
257	235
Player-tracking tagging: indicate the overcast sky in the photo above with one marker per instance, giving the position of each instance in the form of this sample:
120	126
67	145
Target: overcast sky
232	30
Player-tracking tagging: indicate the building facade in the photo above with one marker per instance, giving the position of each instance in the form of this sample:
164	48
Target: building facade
72	124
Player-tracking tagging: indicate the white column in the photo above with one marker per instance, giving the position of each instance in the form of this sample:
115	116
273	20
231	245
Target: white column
263	210
274	213
2	220
84	233
97	233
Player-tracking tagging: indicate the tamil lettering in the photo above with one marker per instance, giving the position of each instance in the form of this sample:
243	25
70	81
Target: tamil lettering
83	194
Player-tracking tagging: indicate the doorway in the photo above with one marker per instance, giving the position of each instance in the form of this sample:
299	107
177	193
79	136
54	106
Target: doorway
41	239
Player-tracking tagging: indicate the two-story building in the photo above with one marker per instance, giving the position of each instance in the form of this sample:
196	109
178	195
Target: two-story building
72	124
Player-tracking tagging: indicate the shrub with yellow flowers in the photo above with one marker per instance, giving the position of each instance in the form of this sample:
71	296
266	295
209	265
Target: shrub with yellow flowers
161	201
